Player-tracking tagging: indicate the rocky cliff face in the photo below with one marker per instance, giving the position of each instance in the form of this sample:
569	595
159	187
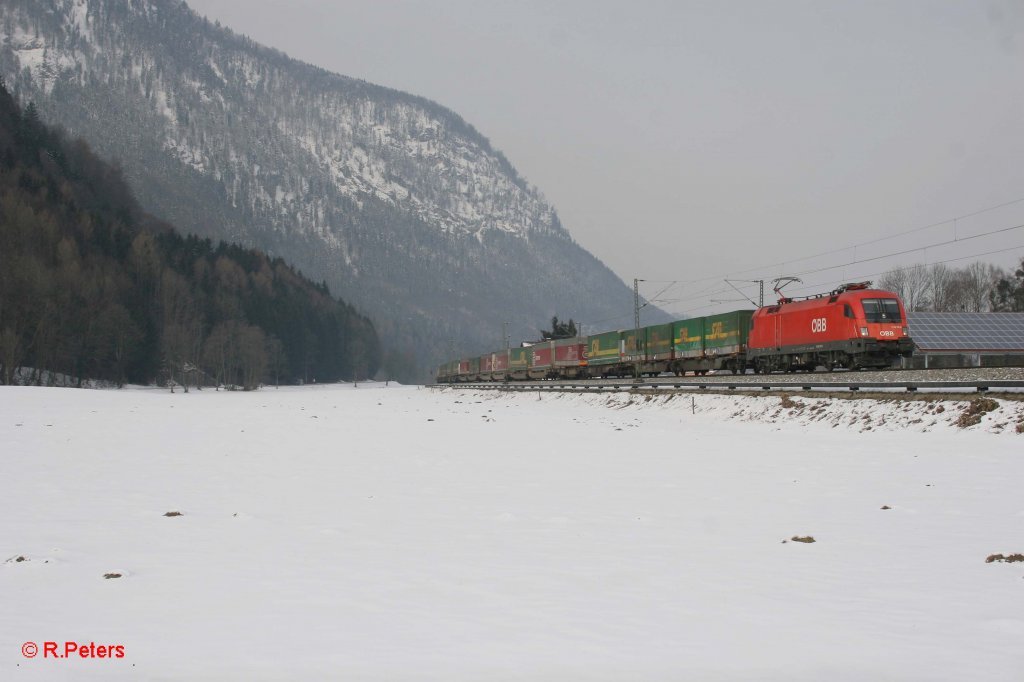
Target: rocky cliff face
396	202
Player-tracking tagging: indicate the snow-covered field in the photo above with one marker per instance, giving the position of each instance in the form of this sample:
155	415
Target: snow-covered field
403	533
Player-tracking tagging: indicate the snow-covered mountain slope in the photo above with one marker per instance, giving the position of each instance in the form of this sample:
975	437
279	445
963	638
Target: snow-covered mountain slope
376	533
399	204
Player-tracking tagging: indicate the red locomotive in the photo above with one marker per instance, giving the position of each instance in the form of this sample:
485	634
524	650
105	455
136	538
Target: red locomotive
852	327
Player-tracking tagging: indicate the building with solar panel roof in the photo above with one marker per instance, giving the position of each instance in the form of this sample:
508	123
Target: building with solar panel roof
967	339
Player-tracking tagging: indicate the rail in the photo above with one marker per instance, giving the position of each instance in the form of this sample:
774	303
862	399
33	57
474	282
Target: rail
760	385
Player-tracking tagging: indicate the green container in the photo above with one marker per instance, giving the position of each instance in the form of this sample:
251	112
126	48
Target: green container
518	359
658	341
603	349
727	333
632	344
688	337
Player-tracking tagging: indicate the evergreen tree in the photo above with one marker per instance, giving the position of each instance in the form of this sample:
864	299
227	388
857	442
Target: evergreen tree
1008	295
559	329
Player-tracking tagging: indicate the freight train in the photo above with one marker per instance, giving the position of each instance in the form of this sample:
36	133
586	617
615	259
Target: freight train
852	327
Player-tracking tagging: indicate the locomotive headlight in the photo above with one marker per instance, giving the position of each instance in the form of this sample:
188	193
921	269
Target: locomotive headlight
906	331
863	331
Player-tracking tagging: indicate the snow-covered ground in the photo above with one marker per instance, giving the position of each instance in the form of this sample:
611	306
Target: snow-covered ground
404	533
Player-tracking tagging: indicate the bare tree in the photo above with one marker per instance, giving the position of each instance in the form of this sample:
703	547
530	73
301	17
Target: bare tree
11	353
119	336
182	329
977	282
912	284
942	290
252	355
276	358
218	353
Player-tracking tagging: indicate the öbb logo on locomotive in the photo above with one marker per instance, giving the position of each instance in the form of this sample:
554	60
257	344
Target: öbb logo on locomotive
851	327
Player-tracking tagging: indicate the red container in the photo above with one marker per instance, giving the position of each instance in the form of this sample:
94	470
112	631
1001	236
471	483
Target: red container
499	361
543	355
571	353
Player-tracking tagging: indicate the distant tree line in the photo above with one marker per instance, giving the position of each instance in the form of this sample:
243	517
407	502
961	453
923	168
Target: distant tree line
978	287
93	288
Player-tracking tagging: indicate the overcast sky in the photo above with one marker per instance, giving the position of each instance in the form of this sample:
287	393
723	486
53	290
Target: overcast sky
684	141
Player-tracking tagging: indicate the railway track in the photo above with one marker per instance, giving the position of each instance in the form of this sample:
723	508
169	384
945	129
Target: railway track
915	381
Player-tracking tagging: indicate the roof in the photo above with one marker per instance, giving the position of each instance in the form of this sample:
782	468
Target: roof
967	332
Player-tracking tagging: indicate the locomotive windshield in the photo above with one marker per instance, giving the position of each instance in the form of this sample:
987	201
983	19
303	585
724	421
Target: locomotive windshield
881	310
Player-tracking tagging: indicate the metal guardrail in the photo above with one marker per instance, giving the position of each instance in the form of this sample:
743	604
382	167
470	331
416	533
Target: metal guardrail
588	387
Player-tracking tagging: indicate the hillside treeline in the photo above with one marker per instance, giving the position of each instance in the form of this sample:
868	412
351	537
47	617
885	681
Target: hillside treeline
93	288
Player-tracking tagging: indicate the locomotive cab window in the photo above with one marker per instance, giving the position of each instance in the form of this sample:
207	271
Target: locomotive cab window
881	310
847	311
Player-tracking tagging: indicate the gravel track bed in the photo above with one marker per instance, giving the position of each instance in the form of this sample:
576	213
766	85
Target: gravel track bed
839	378
963	374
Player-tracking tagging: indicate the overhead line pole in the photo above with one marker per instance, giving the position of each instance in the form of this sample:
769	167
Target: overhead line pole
636	328
636	303
759	282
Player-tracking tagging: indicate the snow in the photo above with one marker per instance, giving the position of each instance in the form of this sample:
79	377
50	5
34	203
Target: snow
80	20
383	533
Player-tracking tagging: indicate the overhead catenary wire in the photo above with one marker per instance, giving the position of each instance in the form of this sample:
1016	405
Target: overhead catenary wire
710	290
938	262
924	247
858	245
808	287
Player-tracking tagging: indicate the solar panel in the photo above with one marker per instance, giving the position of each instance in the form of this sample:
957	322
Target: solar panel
967	332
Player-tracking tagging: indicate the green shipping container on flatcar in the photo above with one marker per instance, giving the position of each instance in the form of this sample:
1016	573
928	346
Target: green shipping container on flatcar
632	344
518	363
518	359
727	333
658	341
688	337
603	349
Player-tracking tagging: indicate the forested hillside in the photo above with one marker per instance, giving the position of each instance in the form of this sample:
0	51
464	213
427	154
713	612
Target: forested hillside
91	287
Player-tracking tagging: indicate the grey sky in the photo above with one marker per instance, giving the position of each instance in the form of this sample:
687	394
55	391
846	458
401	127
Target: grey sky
689	140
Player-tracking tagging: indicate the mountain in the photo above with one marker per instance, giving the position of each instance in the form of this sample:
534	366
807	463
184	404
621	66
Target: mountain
93	288
396	202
